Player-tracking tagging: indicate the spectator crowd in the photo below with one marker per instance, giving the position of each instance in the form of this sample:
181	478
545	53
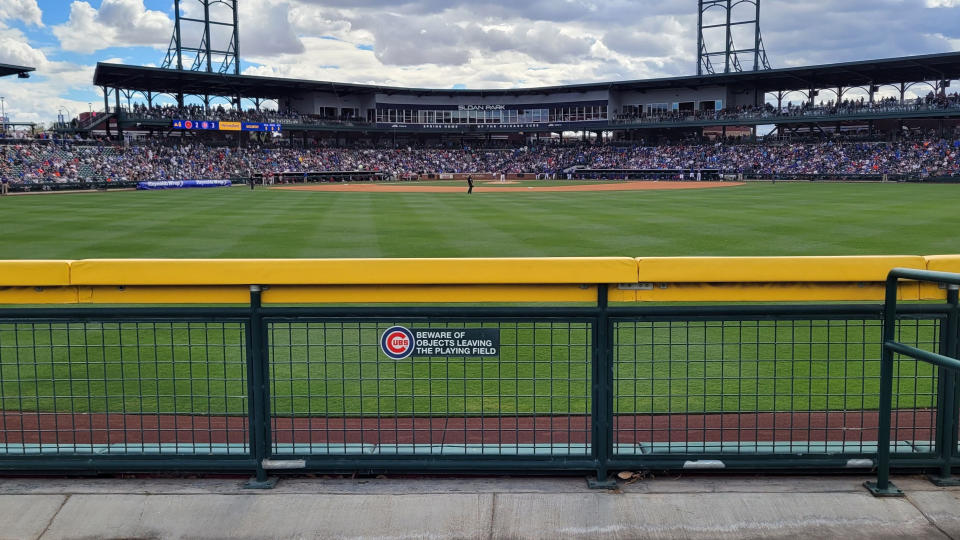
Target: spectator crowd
44	161
830	108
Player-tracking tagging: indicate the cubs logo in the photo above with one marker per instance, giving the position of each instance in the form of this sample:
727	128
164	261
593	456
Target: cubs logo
397	343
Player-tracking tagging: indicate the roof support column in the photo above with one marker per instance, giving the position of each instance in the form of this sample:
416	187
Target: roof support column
116	94
106	110
236	39
756	46
176	33
206	33
779	95
726	68
700	39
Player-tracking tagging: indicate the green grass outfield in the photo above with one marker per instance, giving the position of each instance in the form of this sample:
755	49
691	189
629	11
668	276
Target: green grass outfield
190	370
544	368
756	219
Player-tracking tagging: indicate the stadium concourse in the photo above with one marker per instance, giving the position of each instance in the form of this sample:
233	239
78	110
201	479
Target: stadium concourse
42	162
930	103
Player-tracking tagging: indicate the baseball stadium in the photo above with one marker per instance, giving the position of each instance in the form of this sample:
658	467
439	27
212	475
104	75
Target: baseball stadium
748	269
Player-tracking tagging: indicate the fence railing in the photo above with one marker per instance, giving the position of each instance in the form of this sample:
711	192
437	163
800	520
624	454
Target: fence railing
592	378
945	445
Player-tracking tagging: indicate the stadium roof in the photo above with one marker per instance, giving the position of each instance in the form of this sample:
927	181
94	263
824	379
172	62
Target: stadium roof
931	67
7	69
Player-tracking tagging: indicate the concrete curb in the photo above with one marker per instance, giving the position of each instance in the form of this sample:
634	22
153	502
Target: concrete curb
704	507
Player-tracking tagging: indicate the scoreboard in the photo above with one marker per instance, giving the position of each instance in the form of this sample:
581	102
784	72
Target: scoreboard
209	125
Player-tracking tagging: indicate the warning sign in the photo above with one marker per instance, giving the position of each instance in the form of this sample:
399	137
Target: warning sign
399	342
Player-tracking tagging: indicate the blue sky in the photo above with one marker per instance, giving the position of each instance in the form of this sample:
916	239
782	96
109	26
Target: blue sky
444	43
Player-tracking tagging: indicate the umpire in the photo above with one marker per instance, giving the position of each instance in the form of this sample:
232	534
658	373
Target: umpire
469	184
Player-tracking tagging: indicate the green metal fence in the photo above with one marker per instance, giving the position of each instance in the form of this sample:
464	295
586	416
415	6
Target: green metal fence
944	445
594	389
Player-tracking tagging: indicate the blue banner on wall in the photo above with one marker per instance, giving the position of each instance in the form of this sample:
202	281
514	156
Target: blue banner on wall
273	128
194	125
183	184
209	125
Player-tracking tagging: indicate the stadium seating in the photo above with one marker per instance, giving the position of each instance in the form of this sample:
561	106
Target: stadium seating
158	159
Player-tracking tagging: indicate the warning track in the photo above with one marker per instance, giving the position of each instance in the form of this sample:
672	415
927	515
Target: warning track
414	188
814	426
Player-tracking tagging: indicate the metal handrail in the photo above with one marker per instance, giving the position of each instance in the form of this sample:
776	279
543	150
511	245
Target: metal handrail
947	436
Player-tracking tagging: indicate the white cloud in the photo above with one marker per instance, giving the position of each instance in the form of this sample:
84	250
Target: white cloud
266	29
15	49
116	23
22	10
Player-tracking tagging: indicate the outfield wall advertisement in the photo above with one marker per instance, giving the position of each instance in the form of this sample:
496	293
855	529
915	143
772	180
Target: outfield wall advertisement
183	184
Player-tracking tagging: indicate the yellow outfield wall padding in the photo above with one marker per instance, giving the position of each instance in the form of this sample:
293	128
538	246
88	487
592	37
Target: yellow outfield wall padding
691	279
775	292
164	295
344	294
773	269
939	263
34	273
38	295
440	294
545	271
943	263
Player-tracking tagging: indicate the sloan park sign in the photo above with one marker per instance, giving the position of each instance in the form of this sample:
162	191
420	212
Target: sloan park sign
482	107
399	342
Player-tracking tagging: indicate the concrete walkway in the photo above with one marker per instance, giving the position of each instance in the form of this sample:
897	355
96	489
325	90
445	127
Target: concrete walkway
696	507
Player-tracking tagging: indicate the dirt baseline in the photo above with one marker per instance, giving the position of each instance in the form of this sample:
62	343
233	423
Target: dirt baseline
814	426
489	188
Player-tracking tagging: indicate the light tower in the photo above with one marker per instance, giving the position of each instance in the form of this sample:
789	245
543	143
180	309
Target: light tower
209	52
731	55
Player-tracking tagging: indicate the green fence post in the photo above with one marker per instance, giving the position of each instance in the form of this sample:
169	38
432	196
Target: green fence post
947	433
602	401
883	487
257	374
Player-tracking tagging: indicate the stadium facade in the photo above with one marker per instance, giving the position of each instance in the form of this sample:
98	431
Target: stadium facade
629	109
